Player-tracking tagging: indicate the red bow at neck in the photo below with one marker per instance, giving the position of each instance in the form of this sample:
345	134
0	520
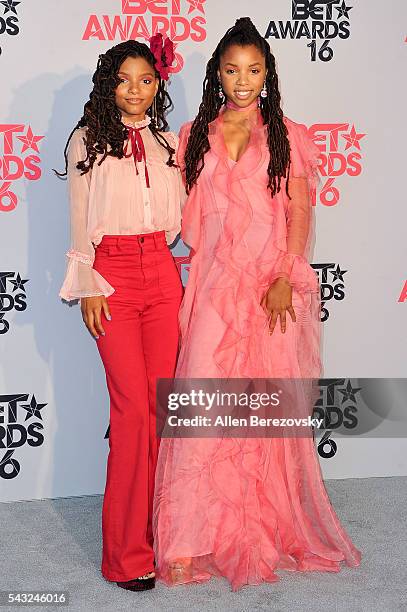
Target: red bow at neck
137	148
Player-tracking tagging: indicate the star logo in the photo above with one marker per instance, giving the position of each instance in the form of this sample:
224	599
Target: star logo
196	5
353	139
10	5
349	392
30	141
33	409
343	10
338	273
19	283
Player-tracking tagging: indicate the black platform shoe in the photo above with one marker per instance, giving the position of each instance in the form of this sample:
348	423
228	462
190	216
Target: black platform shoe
138	584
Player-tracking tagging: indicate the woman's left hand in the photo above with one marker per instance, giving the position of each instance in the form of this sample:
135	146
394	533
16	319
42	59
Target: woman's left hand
276	302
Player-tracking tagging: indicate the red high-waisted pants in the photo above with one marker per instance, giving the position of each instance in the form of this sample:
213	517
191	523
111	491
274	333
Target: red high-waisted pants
140	345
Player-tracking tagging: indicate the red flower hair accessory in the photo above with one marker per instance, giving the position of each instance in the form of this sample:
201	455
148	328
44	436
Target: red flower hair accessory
163	51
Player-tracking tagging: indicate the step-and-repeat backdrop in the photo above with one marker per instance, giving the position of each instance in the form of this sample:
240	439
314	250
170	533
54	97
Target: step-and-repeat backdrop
342	66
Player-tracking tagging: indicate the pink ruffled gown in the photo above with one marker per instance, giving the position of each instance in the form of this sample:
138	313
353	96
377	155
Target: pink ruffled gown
244	508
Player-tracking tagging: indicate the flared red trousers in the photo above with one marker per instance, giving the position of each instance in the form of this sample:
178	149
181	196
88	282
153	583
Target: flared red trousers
139	346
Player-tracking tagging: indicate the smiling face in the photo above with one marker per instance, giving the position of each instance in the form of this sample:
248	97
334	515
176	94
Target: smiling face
242	71
137	88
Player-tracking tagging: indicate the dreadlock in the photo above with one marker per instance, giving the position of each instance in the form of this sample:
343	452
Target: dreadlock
243	33
105	132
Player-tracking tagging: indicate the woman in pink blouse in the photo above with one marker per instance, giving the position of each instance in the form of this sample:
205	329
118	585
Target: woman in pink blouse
126	194
243	506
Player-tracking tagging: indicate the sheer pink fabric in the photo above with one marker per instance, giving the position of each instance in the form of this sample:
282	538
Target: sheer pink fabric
114	199
243	508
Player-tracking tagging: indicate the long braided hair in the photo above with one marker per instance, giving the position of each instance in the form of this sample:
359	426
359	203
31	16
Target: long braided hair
243	33
105	132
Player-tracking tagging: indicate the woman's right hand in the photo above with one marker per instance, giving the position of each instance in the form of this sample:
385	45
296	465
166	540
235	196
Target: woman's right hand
91	308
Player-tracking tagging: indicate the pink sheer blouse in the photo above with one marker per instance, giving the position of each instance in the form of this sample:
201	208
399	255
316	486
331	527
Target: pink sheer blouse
114	198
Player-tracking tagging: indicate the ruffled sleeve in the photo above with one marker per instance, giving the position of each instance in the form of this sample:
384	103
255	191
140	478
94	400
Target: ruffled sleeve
81	280
302	184
304	157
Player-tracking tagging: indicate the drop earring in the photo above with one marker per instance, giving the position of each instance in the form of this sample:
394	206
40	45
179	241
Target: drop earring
263	94
220	92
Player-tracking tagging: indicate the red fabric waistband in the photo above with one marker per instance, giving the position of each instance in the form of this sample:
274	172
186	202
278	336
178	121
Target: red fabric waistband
157	238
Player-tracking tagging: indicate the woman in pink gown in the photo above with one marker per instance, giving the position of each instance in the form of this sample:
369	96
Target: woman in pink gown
244	507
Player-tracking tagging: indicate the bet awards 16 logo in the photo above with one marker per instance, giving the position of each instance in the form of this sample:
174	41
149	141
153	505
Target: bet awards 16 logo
332	285
337	407
17	142
341	154
15	434
9	19
12	296
319	21
177	19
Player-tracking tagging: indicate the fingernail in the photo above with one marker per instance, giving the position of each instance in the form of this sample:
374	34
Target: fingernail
103	333
109	318
96	337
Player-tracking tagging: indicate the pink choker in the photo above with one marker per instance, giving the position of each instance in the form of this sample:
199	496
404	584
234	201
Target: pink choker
232	106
